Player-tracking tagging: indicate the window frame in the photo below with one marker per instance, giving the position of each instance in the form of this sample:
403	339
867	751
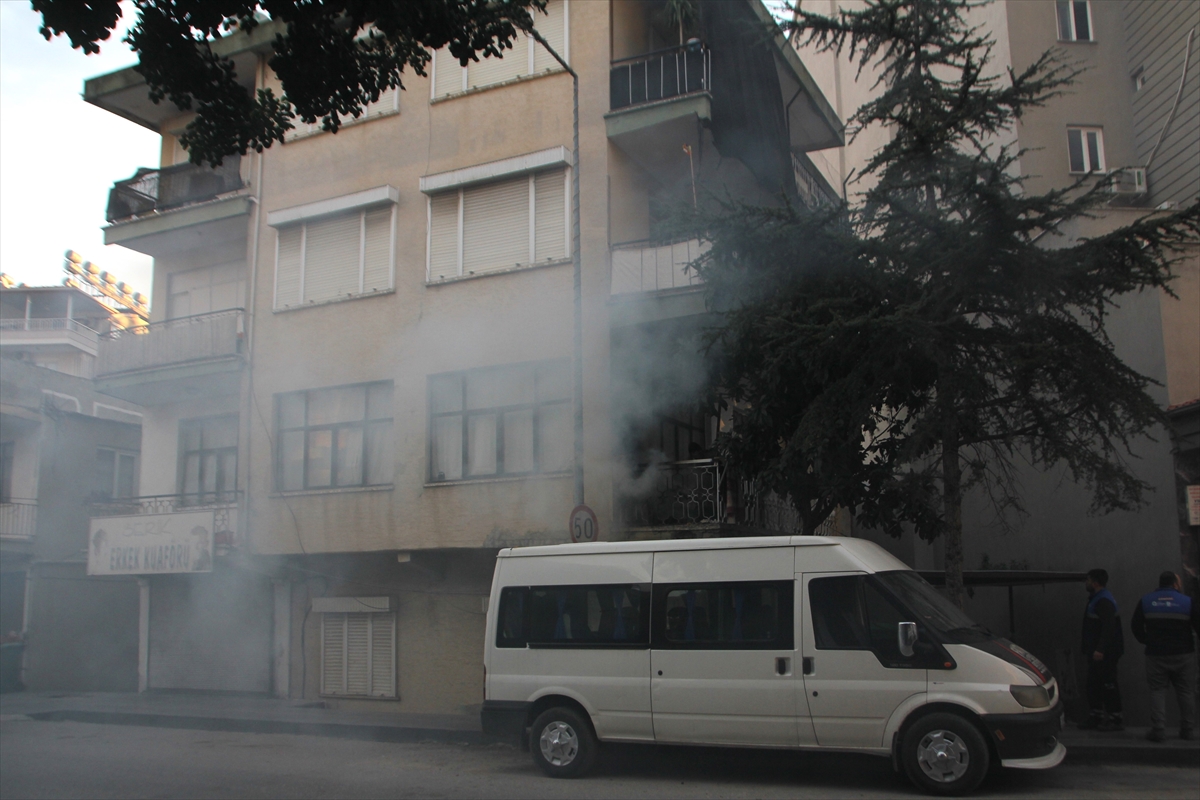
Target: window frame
199	424
1072	7
498	412
785	610
361	424
1084	131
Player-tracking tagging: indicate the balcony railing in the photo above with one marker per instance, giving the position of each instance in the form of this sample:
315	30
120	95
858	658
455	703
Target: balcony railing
809	186
45	324
176	341
18	519
163	504
647	267
171	187
677	493
660	75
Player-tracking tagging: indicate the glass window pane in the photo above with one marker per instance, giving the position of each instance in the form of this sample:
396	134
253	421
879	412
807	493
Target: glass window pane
481	444
447	449
518	441
190	438
291	410
106	469
336	405
838	616
499	387
380	465
228	481
1075	149
191	473
581	615
884	619
555	439
1093	147
208	472
127	475
320	458
379	401
1064	20
220	432
1083	31
349	456
291	461
445	393
554	382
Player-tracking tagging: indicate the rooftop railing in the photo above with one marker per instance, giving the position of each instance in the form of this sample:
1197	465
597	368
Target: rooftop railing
176	341
645	266
18	519
172	187
660	75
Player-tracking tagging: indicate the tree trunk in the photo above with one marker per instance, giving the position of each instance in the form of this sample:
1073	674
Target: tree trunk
952	512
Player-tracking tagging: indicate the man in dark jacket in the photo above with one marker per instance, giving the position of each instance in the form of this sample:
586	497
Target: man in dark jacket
1103	646
1165	621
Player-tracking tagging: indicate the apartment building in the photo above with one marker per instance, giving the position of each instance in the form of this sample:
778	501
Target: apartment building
1136	111
357	377
63	446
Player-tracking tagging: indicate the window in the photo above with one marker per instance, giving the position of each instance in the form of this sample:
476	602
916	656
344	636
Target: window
574	616
526	58
6	472
201	291
724	616
339	437
387	104
335	257
208	459
116	473
849	612
1074	20
493	422
498	226
358	654
1085	149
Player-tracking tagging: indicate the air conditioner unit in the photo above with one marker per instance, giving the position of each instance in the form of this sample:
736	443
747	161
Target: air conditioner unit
1128	181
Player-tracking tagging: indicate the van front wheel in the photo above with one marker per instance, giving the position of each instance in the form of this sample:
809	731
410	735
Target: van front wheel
944	754
562	743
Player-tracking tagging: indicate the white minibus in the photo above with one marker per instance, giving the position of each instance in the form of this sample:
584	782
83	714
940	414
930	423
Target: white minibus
806	642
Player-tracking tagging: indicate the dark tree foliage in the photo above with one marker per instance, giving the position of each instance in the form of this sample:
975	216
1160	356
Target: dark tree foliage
886	356
332	57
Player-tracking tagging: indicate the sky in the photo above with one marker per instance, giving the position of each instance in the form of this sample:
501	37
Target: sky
59	156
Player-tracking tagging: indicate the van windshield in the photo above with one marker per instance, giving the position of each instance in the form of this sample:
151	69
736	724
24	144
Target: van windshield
932	609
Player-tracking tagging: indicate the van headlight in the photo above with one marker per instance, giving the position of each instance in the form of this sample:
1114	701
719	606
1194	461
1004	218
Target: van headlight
1031	696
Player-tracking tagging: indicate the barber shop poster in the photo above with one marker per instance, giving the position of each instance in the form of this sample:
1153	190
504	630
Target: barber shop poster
151	544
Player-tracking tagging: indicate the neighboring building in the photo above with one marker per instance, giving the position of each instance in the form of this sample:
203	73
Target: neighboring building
1132	95
62	446
359	361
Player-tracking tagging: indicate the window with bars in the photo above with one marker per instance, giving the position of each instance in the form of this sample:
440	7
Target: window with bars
1085	149
358	654
334	438
527	57
335	257
515	222
504	421
208	459
1074	21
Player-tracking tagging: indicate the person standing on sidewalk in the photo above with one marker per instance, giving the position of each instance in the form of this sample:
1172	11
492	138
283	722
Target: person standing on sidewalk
1164	621
1103	646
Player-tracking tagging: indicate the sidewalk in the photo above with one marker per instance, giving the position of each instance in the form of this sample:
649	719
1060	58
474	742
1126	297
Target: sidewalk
260	714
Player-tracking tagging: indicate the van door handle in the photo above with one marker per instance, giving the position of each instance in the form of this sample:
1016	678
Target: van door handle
782	666
807	664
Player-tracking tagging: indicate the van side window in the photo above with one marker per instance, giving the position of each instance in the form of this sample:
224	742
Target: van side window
850	613
573	616
724	616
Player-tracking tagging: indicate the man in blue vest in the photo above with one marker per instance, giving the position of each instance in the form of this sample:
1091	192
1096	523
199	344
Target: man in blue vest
1164	621
1103	646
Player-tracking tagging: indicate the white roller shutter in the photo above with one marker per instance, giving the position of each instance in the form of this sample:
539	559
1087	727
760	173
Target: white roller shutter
333	654
449	74
331	257
490	69
552	27
443	236
358	654
377	250
358	645
550	223
496	226
288	266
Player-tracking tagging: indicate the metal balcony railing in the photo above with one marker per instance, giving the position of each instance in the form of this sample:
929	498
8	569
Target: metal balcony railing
649	267
811	188
679	493
44	324
18	519
176	341
163	504
660	75
171	187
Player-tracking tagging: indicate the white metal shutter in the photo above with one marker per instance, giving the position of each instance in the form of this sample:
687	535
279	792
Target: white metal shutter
388	103
287	267
443	236
552	27
331	257
358	646
333	653
550	225
496	226
377	250
383	655
491	70
449	77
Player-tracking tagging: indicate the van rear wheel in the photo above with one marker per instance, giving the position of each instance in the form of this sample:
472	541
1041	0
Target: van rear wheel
944	754
562	743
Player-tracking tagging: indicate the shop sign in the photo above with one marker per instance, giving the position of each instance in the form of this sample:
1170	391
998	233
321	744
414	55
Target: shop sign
1193	500
151	544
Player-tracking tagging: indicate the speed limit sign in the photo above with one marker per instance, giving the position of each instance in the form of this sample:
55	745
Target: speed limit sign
583	525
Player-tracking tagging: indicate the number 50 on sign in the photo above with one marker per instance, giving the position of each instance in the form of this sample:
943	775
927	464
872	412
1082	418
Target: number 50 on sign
583	525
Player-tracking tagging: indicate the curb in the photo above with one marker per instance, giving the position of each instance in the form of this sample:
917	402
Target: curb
376	733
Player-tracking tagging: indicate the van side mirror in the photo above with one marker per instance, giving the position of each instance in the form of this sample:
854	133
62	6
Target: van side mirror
906	634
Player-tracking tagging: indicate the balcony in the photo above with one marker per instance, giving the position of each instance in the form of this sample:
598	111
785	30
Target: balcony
56	332
18	519
146	209
650	281
167	361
